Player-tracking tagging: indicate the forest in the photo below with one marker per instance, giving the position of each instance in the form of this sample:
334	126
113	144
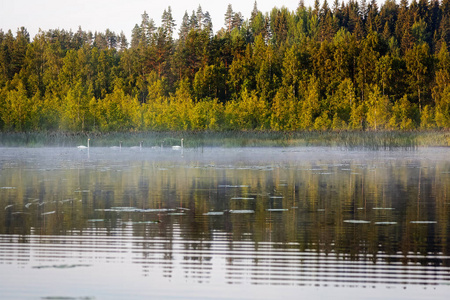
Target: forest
339	66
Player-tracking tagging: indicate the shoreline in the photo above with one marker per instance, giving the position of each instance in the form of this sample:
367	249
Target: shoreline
349	139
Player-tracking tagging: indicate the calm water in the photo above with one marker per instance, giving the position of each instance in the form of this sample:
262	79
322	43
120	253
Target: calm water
219	223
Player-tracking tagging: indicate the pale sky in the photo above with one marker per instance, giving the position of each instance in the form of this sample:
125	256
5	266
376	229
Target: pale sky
117	15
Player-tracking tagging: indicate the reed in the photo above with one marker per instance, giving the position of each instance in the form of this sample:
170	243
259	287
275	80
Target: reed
374	140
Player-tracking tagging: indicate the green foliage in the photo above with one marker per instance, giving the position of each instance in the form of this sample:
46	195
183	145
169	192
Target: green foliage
247	114
75	112
341	102
310	106
207	115
378	109
401	112
358	116
345	68
427	118
18	112
442	110
116	112
285	111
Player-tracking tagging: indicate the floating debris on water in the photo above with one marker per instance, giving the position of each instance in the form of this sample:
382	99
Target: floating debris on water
383	208
277	209
28	205
232	186
357	221
20	213
423	222
141	222
124	208
7	188
95	220
182	208
321	209
9	206
385	223
64	266
242	198
214	213
48	213
276	197
134	209
176	214
66	200
242	211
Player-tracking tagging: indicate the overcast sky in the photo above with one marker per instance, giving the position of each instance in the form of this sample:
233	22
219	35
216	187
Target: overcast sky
117	15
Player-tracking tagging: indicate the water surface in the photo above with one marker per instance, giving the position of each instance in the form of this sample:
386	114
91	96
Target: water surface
224	223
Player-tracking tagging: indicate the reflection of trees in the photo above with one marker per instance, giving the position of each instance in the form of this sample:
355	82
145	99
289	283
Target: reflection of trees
319	196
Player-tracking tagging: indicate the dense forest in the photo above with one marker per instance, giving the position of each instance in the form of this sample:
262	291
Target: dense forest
339	66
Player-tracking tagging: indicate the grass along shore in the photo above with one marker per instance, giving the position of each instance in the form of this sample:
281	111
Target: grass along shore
347	139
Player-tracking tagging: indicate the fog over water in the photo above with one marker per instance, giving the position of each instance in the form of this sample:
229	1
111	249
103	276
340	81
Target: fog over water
224	223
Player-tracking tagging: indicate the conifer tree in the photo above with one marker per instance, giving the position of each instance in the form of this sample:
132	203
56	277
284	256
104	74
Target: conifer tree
229	15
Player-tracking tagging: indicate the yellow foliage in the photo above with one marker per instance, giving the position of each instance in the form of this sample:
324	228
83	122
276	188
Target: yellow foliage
378	109
427	118
251	112
322	122
401	111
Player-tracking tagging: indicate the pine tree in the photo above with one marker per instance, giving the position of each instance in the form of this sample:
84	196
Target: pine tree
123	42
418	65
136	36
316	8
207	23
255	12
229	15
237	21
184	28
200	17
168	23
147	29
194	21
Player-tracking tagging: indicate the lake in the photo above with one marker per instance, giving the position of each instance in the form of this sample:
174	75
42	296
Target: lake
224	223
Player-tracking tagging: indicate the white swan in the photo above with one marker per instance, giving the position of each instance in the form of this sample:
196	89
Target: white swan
117	148
138	147
82	147
158	147
178	147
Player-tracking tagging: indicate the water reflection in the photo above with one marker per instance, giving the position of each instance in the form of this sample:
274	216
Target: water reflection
265	216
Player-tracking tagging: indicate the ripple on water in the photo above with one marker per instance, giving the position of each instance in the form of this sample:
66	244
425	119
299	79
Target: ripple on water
242	211
357	221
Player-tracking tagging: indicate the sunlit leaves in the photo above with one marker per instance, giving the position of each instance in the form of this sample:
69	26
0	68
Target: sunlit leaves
117	112
285	110
18	111
402	111
250	112
378	109
350	67
418	63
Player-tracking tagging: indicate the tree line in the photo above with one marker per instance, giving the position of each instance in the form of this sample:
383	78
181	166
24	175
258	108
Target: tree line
351	66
